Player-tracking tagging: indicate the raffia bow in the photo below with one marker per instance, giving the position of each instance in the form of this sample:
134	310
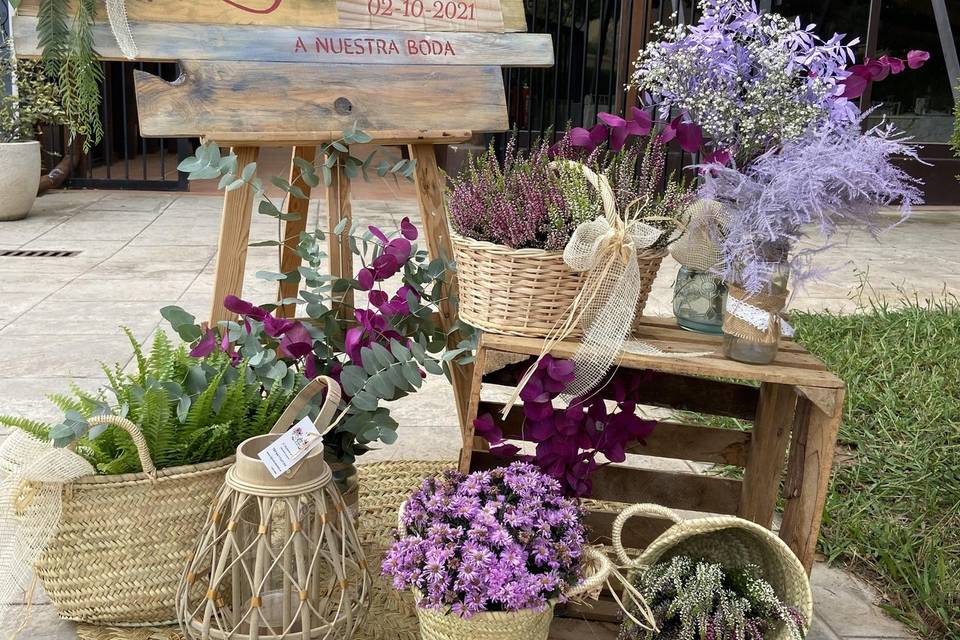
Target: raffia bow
605	249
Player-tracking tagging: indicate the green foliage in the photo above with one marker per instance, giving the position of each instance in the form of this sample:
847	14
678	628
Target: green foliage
893	511
208	163
37	99
68	55
692	599
190	410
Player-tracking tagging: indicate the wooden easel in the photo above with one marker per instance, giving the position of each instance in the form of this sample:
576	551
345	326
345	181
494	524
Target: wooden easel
299	72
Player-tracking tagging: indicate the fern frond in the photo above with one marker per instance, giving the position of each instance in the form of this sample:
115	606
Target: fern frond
138	354
37	429
65	403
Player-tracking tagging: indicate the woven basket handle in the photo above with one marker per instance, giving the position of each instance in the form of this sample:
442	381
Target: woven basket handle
303	398
644	509
146	462
599	577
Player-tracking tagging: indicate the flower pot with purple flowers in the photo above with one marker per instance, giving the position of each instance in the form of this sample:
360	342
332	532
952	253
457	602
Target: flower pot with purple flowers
480	561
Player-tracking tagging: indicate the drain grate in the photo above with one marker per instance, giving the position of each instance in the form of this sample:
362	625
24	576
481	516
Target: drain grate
37	253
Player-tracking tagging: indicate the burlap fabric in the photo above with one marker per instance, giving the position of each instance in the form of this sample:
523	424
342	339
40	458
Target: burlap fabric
772	304
699	247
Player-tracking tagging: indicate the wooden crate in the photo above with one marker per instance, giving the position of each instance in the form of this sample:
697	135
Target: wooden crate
794	403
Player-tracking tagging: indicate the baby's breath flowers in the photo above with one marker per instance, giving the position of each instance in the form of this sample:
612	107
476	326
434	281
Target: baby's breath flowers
751	80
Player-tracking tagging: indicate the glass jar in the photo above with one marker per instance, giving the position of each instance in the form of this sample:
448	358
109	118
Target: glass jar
753	351
698	301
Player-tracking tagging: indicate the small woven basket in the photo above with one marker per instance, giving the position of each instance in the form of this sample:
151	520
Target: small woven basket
122	541
526	292
527	624
726	540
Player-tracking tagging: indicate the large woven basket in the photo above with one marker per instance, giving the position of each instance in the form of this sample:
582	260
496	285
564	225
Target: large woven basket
525	292
726	540
122	541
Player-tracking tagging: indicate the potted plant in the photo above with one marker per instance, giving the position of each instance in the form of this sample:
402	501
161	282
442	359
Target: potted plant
513	221
378	351
693	599
754	84
490	554
141	460
33	99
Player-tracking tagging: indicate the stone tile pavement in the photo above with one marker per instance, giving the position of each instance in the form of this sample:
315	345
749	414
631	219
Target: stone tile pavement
139	251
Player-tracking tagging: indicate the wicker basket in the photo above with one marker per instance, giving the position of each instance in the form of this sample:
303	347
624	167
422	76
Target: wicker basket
122	542
527	624
726	540
525	292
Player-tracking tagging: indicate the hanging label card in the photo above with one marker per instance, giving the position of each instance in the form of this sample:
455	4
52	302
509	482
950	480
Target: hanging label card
291	447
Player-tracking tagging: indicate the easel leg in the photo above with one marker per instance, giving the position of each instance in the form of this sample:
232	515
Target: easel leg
768	444
341	258
430	194
289	260
234	238
808	475
470	441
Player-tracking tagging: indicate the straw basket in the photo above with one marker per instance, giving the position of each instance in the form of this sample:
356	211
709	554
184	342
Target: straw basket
525	292
726	540
122	542
527	624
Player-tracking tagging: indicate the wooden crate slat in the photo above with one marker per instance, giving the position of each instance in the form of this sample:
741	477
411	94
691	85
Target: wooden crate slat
671	391
779	371
673	489
668	440
657	328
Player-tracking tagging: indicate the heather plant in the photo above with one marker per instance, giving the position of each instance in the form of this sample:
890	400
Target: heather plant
500	540
698	600
525	203
832	179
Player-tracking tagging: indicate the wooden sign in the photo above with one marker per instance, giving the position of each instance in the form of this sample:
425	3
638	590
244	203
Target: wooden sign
160	41
289	108
402	15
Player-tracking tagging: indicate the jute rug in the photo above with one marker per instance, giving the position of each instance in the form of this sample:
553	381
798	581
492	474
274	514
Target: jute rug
383	487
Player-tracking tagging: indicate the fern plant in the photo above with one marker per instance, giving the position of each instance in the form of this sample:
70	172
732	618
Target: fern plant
68	54
190	410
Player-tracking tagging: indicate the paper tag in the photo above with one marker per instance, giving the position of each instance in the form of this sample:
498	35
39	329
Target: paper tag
291	447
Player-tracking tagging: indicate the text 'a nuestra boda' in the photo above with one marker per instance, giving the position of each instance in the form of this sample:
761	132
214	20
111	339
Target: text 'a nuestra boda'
374	46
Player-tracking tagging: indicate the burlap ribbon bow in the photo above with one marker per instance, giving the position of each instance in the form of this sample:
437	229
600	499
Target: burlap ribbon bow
756	317
605	249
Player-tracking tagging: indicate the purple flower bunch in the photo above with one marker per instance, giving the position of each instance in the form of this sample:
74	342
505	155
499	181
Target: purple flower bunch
570	439
500	540
753	80
520	205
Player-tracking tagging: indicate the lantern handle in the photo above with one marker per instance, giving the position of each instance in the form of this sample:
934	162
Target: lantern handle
303	398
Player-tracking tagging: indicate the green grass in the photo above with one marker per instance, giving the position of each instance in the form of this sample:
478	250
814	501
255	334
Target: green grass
893	512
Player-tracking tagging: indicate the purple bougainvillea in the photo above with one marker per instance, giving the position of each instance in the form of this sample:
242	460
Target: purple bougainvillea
571	439
500	540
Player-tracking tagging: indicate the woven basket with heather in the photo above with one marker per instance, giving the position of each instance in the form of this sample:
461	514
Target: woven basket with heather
513	221
489	555
731	560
